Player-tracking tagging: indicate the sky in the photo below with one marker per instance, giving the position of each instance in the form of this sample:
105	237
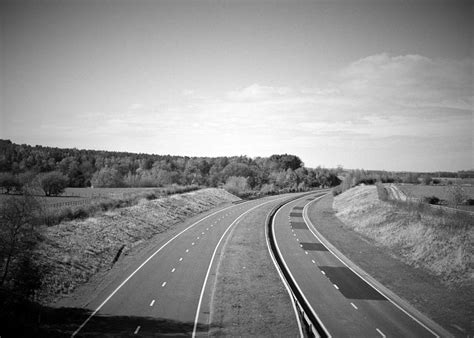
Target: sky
383	84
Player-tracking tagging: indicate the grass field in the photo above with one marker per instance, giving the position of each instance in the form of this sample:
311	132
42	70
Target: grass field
106	192
442	192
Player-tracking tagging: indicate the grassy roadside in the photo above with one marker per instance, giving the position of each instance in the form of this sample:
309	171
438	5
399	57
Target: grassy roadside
75	251
249	298
450	307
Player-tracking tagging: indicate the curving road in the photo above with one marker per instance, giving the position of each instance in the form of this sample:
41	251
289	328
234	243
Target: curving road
343	302
169	293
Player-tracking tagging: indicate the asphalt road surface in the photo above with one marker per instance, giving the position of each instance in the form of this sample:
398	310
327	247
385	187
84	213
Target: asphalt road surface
169	293
345	304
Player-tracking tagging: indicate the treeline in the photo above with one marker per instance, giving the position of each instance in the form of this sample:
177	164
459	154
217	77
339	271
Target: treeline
83	168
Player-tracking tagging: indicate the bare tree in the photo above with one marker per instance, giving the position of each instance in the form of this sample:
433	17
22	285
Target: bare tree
18	231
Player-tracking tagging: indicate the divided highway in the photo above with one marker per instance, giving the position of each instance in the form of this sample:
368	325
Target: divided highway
169	293
339	300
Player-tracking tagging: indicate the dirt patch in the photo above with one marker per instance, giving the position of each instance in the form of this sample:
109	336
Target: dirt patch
249	298
75	251
450	307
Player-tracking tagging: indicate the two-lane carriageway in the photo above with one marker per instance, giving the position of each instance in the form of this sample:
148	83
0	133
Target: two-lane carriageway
341	300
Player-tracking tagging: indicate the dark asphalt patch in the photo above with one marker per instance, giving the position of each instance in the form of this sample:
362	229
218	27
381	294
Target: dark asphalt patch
313	246
351	285
299	225
296	214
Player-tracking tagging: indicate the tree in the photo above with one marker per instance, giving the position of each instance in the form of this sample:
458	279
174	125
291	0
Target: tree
18	231
107	177
236	185
9	182
426	180
53	183
457	195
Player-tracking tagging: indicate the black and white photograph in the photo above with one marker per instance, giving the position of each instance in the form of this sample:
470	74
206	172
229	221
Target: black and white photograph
238	168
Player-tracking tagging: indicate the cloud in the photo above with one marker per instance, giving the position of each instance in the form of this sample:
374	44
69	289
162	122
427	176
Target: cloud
406	105
410	80
257	92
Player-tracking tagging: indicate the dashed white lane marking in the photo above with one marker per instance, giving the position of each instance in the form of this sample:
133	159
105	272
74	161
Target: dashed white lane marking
212	225
137	329
207	229
298	239
337	287
152	302
323	272
197	237
294	234
306	252
181	258
313	261
202	233
173	270
192	243
381	333
354	306
163	285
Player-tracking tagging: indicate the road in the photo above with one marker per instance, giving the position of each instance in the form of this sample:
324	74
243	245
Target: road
344	303
169	293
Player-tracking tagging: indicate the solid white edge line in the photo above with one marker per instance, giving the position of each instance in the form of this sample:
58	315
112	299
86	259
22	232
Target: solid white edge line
198	310
291	275
137	329
141	265
285	283
381	333
311	227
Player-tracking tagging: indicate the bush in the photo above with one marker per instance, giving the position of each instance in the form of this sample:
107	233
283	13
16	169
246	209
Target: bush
336	190
53	183
432	200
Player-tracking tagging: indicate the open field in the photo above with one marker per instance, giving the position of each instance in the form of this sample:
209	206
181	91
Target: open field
442	192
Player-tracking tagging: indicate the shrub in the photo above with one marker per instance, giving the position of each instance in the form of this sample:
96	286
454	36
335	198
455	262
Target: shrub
431	200
336	190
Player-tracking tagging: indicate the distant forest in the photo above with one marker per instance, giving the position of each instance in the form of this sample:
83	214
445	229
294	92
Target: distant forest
85	168
280	172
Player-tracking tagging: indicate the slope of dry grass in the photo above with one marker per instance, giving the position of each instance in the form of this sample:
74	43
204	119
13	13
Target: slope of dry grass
74	251
420	239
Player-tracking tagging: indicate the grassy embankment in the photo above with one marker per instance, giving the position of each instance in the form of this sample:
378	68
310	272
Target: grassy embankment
76	250
438	242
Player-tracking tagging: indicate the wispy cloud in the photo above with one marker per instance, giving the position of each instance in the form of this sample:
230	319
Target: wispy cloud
379	102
